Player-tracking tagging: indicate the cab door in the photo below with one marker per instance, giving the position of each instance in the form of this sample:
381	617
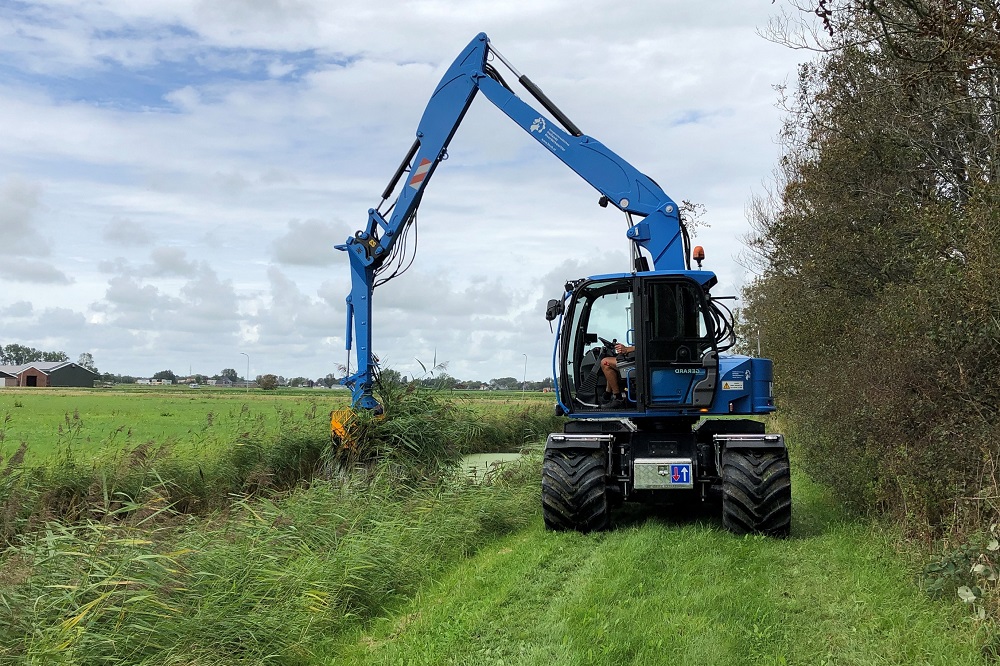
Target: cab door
678	362
600	313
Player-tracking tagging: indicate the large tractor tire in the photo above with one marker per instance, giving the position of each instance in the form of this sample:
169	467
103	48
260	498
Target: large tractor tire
574	491
756	492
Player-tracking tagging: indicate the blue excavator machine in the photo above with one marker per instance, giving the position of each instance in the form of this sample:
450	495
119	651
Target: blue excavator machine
665	416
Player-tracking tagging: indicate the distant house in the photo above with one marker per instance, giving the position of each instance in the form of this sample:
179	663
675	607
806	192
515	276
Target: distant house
154	382
221	381
48	374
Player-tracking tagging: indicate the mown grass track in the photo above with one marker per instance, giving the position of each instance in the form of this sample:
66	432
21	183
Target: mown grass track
658	591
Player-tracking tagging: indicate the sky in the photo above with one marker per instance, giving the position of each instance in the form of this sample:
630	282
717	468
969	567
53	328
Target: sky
174	174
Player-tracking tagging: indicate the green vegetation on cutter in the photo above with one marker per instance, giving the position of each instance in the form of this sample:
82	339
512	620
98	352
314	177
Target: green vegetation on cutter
657	592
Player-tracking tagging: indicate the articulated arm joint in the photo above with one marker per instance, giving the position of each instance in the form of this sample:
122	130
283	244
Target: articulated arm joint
361	391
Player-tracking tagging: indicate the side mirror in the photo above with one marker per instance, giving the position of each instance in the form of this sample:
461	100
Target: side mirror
554	309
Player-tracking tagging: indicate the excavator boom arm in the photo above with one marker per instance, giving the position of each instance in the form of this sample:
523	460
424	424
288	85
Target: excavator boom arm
659	232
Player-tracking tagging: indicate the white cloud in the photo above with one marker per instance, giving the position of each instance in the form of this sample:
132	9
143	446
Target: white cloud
309	243
29	270
172	261
19	201
186	166
18	309
126	232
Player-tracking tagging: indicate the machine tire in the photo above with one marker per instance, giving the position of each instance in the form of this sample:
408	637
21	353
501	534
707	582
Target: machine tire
756	492
574	491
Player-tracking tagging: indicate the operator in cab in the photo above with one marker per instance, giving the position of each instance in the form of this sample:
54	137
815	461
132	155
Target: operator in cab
614	397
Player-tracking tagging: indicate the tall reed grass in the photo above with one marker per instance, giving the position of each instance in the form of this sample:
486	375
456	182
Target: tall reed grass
423	430
269	580
71	487
280	542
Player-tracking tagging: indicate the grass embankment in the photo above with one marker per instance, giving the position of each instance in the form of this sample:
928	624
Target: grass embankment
266	582
658	591
98	571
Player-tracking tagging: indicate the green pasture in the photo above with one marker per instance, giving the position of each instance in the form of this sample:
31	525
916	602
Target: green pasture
90	422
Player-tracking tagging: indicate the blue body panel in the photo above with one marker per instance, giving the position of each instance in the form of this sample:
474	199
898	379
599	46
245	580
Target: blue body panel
744	383
745	389
745	386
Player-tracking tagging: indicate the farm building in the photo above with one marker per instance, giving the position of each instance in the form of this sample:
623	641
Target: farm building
47	373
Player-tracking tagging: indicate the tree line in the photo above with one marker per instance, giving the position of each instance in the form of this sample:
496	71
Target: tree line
435	377
878	254
15	354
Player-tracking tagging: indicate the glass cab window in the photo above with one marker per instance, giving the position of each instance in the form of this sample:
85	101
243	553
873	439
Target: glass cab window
602	314
678	328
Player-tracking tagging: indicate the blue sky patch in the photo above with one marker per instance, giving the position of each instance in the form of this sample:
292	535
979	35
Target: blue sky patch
134	65
146	87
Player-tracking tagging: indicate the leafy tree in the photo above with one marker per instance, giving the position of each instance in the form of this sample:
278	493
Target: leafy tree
267	382
86	360
877	253
15	354
165	374
505	384
117	379
390	376
230	374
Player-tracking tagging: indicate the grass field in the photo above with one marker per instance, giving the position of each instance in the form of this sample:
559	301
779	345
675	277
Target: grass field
92	422
262	551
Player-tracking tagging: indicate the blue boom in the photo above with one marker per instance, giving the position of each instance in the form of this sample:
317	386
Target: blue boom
621	184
